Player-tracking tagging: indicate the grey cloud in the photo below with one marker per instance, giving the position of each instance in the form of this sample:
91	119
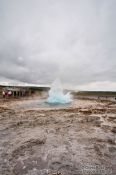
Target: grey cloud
71	39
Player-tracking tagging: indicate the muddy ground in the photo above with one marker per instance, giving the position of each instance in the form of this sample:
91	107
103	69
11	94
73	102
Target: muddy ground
78	139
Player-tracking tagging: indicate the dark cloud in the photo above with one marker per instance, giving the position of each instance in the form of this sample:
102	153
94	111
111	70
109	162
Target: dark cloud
70	39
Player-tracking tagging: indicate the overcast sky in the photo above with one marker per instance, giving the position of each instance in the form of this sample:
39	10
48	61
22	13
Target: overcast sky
75	40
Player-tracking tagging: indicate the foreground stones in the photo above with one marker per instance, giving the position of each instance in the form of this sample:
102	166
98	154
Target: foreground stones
60	142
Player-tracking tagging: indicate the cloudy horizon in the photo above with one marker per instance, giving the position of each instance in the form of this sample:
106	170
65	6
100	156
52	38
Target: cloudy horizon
74	40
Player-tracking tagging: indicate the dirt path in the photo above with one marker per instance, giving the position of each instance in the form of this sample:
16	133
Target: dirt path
77	140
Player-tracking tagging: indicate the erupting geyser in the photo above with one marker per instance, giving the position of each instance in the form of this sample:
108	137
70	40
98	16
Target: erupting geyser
56	95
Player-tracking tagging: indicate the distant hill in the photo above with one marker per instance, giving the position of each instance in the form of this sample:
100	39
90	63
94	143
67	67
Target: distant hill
95	93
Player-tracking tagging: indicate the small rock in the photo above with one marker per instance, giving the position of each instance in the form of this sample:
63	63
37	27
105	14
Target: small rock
113	129
111	141
105	127
112	149
97	149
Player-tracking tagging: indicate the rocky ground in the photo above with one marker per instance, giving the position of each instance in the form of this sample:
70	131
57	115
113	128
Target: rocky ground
76	140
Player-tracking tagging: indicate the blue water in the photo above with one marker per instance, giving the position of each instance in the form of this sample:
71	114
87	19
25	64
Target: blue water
57	96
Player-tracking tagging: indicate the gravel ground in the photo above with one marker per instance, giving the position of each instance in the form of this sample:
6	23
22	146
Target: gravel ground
78	139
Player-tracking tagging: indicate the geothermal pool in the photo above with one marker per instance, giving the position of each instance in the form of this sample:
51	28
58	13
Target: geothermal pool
56	98
38	103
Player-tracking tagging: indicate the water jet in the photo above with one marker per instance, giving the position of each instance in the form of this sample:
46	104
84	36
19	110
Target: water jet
57	96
